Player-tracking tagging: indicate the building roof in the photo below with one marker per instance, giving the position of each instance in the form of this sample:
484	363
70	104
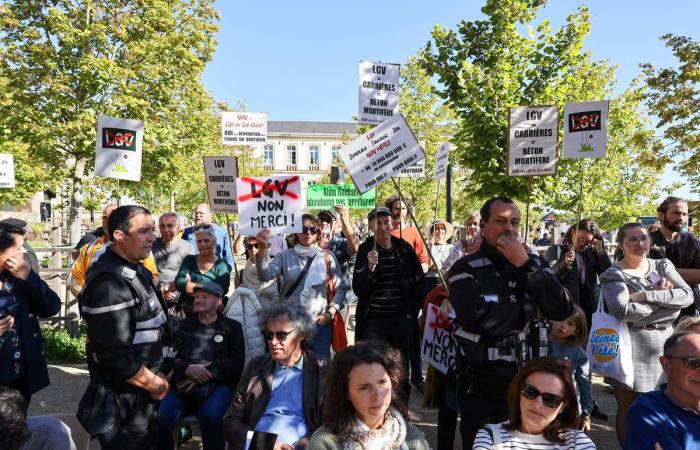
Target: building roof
304	127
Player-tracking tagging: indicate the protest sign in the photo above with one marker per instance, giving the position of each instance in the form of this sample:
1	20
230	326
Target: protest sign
378	99
585	129
119	146
220	173
377	155
7	171
326	196
243	128
442	159
415	171
269	202
438	347
533	132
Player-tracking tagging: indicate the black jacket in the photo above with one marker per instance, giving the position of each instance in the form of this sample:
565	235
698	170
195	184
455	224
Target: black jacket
229	353
684	253
412	280
594	264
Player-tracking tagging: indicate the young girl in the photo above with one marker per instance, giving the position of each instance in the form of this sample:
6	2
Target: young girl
566	338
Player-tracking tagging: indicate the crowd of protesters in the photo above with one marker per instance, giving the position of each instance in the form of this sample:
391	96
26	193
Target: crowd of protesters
260	356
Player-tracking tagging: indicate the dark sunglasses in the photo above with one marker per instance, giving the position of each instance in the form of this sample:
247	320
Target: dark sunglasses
690	362
306	229
253	245
280	335
549	400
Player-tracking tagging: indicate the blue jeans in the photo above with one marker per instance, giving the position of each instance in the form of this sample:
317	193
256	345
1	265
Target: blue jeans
210	414
321	345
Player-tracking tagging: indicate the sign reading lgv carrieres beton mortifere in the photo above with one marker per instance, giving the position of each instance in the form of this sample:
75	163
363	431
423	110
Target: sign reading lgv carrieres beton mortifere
220	173
532	141
378	99
377	155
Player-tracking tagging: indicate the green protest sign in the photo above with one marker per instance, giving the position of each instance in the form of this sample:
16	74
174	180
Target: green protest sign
325	196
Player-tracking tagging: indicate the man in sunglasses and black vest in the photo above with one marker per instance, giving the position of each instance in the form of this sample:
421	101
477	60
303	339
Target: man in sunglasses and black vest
498	293
670	417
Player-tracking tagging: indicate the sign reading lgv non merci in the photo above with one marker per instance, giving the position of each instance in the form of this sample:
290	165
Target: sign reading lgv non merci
376	156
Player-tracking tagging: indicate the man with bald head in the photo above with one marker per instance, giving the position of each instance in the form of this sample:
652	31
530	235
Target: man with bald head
670	417
202	216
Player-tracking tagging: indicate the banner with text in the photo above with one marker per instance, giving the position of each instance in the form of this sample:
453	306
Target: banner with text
220	173
532	141
119	148
585	129
7	171
438	347
269	202
326	196
243	128
379	154
378	99
442	160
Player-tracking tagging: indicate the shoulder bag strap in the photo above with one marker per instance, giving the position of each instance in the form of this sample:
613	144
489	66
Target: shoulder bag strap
302	275
330	287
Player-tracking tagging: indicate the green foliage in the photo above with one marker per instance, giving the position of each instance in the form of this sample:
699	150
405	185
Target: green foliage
487	66
61	346
675	100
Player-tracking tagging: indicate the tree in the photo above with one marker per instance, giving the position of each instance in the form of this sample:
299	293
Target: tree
675	100
488	66
66	61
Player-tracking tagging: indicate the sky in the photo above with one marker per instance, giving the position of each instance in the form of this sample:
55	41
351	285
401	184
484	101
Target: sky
299	60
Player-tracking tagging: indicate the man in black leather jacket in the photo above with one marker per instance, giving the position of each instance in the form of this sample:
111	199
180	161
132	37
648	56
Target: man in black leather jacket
497	294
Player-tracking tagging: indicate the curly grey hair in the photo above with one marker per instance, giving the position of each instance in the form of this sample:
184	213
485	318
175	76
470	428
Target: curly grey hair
299	318
207	230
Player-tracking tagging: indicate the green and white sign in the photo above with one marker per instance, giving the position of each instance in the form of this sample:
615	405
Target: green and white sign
326	196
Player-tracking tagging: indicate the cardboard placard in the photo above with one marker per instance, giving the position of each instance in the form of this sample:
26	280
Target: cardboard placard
438	346
243	128
7	171
533	132
415	171
442	160
119	148
378	98
374	157
272	203
220	173
585	129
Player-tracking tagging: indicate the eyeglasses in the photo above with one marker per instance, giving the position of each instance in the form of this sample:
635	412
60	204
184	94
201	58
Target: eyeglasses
690	362
312	230
280	335
549	400
641	241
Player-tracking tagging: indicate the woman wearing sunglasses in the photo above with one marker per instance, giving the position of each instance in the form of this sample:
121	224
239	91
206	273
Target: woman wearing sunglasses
308	276
543	412
648	295
266	291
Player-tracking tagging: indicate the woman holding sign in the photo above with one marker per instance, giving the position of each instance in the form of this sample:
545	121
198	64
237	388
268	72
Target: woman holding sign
647	294
308	275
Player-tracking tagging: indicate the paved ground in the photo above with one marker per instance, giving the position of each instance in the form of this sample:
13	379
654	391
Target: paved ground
68	383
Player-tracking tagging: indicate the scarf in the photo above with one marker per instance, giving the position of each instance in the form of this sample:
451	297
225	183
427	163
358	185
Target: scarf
391	436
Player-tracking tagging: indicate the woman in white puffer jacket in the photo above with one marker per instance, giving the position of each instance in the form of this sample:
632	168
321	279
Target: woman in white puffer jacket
243	307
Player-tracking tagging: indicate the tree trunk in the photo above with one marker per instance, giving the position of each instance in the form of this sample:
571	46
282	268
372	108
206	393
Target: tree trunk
76	201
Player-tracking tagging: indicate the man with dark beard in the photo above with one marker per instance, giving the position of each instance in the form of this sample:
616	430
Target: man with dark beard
680	247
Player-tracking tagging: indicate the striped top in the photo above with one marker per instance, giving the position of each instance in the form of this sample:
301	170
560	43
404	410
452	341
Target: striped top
496	437
387	300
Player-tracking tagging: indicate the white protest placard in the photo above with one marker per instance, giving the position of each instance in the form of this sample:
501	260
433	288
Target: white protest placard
7	171
273	203
378	98
119	148
442	160
533	132
220	173
415	171
438	346
585	129
379	154
243	128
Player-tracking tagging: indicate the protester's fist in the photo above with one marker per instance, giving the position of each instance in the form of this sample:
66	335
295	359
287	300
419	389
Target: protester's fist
6	323
372	260
664	285
569	257
18	267
343	212
263	238
162	390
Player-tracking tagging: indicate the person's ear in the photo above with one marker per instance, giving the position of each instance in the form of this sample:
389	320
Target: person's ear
117	235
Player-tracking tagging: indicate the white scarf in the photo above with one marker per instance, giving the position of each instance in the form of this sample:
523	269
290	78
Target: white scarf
391	436
309	298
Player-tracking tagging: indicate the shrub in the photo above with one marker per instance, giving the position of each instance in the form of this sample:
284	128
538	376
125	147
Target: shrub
61	346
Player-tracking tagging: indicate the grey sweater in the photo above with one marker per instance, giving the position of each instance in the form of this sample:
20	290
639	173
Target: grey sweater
323	439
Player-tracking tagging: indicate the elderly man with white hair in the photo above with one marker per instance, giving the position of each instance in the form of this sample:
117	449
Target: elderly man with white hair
169	251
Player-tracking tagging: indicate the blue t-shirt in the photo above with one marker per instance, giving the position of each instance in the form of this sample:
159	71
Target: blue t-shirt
654	417
223	248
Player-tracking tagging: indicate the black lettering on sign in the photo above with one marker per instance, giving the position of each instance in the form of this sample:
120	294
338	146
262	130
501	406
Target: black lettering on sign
119	138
